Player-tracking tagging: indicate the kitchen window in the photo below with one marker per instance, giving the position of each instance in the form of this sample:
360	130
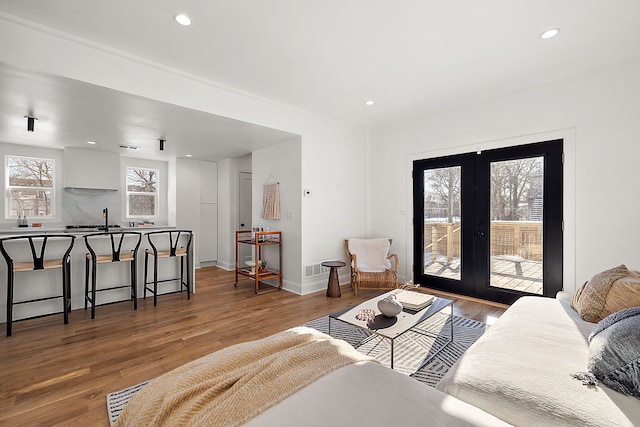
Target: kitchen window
30	187
142	192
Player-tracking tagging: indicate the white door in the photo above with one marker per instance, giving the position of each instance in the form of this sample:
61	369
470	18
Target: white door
245	252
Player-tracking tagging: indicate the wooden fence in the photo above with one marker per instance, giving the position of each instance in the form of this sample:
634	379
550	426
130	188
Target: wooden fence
508	238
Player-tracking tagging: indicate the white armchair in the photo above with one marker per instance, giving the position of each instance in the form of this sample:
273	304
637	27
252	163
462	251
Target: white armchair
371	266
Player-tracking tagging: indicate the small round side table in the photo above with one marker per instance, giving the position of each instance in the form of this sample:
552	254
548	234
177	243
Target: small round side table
333	287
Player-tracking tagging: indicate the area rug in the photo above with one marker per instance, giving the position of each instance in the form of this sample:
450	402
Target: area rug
411	349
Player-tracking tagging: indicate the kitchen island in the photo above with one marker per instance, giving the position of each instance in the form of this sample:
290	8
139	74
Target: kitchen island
38	284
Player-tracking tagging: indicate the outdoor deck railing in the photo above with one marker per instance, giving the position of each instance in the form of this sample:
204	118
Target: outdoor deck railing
508	238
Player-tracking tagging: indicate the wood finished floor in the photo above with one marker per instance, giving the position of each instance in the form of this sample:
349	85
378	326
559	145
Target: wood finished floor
55	374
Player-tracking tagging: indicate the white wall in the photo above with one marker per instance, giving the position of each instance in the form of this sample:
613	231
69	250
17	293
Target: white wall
282	163
596	113
332	154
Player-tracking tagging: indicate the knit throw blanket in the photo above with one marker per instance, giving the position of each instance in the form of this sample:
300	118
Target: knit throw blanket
232	385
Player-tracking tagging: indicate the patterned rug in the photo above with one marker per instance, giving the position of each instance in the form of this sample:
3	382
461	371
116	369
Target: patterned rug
411	349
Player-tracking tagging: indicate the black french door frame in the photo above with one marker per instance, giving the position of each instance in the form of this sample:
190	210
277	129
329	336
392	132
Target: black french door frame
475	220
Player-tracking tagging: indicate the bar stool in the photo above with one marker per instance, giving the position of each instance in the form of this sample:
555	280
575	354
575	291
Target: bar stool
114	246
40	257
179	244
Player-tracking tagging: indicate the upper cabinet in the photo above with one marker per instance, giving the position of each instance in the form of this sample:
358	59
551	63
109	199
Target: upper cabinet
91	169
208	182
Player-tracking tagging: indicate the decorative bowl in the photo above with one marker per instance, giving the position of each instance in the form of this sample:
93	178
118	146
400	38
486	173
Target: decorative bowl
390	306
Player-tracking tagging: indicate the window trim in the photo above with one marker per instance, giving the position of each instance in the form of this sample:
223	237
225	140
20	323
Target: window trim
155	194
9	188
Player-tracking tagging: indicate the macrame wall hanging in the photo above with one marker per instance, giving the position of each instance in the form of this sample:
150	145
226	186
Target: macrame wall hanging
271	201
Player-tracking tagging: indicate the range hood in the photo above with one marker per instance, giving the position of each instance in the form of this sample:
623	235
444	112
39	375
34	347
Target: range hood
91	169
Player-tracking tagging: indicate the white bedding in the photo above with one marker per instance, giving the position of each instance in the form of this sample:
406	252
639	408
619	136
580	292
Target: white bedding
520	371
368	394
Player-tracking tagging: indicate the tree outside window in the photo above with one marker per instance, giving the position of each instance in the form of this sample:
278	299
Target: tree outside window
30	187
142	192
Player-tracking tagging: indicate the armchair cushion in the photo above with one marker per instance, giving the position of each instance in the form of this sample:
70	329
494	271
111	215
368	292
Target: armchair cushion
371	254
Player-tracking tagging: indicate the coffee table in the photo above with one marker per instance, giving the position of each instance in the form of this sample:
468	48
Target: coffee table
394	327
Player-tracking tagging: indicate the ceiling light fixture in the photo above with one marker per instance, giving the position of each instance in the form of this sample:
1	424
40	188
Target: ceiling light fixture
129	147
91	142
551	32
161	144
183	19
188	155
369	103
31	121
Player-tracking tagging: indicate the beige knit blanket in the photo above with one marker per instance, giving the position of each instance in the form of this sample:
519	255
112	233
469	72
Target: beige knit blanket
232	385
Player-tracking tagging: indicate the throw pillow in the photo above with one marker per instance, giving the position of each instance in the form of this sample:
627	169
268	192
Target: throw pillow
590	299
624	293
614	351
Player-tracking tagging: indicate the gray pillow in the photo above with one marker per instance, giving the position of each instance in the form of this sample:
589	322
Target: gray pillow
614	351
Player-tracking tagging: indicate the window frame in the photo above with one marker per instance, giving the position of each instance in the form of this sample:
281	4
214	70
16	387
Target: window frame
9	188
156	194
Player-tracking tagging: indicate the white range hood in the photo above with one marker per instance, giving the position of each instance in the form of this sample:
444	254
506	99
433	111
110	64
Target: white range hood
93	169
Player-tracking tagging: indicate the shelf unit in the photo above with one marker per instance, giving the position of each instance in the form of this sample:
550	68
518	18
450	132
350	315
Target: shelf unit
260	240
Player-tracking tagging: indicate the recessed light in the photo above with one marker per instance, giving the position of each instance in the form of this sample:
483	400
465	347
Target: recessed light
551	32
369	103
91	142
183	19
188	155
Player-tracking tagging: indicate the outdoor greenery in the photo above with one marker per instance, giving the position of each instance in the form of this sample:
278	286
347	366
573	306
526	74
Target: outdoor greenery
515	187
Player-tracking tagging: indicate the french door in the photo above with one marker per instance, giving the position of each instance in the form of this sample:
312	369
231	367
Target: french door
489	224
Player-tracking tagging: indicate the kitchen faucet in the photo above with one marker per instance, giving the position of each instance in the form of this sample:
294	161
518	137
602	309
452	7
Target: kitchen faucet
105	215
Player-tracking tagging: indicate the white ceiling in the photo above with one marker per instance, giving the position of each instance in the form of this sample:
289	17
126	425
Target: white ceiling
70	113
412	57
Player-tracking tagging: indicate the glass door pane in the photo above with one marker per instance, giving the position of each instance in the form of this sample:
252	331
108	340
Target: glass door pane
442	226
516	213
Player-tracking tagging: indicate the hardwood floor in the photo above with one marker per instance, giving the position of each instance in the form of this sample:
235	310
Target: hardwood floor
56	374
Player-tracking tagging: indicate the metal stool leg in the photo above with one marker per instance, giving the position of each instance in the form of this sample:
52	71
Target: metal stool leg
86	281
134	283
94	280
9	299
66	300
155	281
146	267
182	284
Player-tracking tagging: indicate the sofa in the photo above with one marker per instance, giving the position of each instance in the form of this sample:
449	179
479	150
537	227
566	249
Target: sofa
523	369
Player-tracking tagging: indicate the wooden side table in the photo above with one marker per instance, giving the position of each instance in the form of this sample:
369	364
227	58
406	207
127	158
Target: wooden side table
333	287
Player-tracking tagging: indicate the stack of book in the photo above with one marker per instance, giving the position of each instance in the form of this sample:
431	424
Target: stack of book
415	301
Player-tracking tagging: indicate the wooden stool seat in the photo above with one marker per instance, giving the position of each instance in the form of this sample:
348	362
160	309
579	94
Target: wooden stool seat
167	253
28	266
105	259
